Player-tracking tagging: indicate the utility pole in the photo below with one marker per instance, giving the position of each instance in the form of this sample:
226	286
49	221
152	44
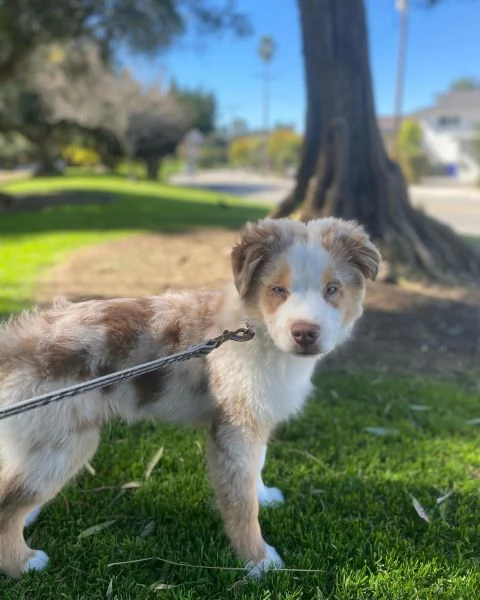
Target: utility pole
402	7
266	50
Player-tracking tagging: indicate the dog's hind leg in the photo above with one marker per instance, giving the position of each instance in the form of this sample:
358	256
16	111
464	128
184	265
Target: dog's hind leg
16	501
234	459
267	496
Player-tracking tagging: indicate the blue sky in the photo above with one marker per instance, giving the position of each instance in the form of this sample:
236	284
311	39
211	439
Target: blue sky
444	44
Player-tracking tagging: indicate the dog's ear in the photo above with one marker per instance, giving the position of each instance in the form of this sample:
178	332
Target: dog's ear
349	240
257	243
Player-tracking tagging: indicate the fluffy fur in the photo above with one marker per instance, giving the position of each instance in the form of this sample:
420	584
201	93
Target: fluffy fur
301	287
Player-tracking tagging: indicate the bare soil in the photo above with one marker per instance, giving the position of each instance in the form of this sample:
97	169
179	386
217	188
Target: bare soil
406	329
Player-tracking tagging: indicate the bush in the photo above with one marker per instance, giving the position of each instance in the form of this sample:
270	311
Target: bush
80	156
246	151
411	156
283	149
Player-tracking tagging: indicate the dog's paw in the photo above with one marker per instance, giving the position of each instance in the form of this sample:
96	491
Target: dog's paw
32	516
38	562
272	561
269	496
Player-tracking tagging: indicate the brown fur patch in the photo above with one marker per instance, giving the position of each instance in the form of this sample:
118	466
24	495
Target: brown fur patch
281	277
348	241
124	321
13	495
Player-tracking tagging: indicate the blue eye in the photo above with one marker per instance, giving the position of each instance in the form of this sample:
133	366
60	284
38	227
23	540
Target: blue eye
280	290
331	290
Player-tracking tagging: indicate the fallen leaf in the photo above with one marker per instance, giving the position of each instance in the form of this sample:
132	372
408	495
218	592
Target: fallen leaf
334	393
131	485
382	431
473	421
153	462
148	529
421	512
90	469
419	407
446	496
109	593
95	529
159	586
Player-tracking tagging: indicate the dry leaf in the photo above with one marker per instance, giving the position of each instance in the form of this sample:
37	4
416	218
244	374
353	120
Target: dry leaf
441	499
382	431
131	485
473	421
95	529
153	462
419	407
421	512
159	586
90	469
334	393
109	593
148	529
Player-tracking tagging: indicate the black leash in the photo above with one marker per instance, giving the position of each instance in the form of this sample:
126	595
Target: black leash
243	334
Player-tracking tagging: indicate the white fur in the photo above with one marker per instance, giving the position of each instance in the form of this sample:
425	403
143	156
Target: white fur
267	496
38	562
272	561
32	516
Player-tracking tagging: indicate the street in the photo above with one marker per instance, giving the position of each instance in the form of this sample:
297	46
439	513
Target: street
456	205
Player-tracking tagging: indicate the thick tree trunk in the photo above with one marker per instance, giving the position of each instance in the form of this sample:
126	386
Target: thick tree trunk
153	164
345	170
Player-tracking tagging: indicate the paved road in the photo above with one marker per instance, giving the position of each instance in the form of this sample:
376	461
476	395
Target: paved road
457	206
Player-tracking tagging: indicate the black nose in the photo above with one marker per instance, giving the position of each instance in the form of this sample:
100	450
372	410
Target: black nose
304	333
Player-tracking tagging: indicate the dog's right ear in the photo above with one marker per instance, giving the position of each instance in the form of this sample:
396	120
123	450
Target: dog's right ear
257	242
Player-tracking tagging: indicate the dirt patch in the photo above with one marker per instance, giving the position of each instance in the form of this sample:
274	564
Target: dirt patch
405	329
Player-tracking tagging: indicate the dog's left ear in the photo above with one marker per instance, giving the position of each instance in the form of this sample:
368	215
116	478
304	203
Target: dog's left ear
257	243
350	240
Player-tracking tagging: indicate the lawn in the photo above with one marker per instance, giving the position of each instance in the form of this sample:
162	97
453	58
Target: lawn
350	466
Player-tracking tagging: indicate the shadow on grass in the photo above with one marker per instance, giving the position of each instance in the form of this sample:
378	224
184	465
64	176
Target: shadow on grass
89	210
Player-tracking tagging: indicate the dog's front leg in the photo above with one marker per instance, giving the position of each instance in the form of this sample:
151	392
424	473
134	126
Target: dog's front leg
234	461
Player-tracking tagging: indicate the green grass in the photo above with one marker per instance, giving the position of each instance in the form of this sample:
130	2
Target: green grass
348	513
30	242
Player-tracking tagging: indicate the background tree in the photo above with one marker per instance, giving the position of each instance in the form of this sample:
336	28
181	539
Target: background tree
266	51
344	170
410	153
144	27
200	107
465	84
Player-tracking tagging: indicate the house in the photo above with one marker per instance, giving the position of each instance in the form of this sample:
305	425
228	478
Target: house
450	128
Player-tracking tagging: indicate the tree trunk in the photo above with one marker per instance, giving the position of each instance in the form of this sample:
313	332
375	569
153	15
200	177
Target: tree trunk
153	164
345	170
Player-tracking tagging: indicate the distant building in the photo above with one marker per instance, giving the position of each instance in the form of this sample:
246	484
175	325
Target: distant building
449	127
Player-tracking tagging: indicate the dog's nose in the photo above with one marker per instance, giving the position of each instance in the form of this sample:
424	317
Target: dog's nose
304	333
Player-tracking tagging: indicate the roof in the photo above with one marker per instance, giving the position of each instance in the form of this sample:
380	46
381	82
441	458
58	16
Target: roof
454	101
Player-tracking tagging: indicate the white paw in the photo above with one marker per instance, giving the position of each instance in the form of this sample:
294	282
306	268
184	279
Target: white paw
272	561
269	496
32	516
38	562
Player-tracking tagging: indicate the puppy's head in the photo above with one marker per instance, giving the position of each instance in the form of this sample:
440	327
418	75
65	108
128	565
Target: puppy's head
305	282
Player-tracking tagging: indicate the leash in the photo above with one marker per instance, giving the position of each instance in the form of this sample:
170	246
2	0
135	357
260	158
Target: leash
244	334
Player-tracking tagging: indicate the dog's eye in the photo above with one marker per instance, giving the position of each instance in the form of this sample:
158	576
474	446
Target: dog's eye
331	290
280	290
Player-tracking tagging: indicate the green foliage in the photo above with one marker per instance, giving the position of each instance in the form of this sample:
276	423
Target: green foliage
411	156
245	151
214	152
200	107
267	48
80	156
283	149
144	27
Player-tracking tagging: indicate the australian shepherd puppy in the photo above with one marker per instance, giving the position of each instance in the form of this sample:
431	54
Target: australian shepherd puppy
300	286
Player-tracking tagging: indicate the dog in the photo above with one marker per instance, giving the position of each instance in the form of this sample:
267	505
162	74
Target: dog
301	288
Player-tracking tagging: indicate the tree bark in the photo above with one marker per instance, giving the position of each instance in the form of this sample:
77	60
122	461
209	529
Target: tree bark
153	164
344	170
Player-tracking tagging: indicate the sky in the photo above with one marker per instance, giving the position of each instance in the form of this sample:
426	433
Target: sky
443	44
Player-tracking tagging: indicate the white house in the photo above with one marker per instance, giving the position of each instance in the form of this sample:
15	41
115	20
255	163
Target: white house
449	129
